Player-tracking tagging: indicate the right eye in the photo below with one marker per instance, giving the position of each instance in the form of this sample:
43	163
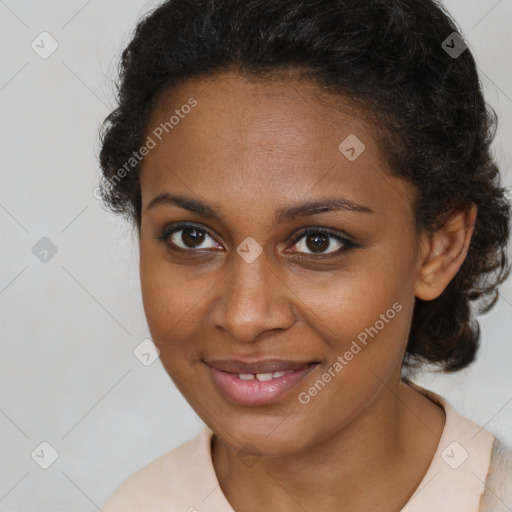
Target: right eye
186	237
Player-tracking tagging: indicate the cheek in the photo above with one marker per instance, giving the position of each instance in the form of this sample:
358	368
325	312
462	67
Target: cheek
174	301
362	317
158	296
362	322
349	301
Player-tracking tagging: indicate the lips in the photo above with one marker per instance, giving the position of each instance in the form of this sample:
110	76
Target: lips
259	382
262	366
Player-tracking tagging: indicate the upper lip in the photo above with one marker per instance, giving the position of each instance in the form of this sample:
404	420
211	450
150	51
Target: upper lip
261	366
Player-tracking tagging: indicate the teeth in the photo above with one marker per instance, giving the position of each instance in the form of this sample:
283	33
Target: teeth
262	376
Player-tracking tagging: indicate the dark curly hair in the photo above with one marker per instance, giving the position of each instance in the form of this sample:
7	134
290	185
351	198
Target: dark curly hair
389	59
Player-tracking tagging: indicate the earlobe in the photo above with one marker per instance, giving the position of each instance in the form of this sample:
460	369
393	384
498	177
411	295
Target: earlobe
444	252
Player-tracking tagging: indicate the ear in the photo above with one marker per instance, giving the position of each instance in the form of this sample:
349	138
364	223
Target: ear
443	253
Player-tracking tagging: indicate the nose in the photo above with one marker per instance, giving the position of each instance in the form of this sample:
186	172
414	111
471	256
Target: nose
253	300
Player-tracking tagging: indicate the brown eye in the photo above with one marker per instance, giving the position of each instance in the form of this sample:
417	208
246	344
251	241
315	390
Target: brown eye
321	241
187	237
317	243
190	238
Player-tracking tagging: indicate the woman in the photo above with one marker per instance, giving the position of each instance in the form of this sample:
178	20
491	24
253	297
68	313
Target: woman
317	208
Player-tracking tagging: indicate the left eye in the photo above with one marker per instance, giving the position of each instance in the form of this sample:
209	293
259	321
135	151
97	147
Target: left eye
319	240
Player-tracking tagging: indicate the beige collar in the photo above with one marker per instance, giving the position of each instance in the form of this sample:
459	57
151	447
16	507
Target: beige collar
456	477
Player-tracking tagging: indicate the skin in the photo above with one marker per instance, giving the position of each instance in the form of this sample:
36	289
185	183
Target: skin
247	149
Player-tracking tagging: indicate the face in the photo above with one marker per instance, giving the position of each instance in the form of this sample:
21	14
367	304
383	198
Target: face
239	270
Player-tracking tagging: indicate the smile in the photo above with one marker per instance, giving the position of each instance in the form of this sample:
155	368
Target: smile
259	388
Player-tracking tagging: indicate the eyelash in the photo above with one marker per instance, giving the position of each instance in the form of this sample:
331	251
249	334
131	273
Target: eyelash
348	244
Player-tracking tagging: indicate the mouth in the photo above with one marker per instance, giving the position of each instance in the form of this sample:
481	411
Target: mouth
260	382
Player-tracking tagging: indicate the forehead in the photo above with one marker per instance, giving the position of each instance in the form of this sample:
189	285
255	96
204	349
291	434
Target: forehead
262	140
234	106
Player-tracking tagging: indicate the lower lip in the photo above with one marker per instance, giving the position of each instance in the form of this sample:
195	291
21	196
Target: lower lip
254	392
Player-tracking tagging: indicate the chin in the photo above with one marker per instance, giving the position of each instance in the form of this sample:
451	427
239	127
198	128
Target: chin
268	437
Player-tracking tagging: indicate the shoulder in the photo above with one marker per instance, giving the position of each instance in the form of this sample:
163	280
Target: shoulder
498	485
488	466
456	478
170	479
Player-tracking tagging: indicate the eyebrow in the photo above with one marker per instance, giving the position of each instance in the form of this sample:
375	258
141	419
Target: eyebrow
285	214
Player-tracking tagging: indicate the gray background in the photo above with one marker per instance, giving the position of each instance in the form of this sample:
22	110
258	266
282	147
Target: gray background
69	326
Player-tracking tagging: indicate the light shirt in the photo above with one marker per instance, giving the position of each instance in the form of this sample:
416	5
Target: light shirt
184	479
